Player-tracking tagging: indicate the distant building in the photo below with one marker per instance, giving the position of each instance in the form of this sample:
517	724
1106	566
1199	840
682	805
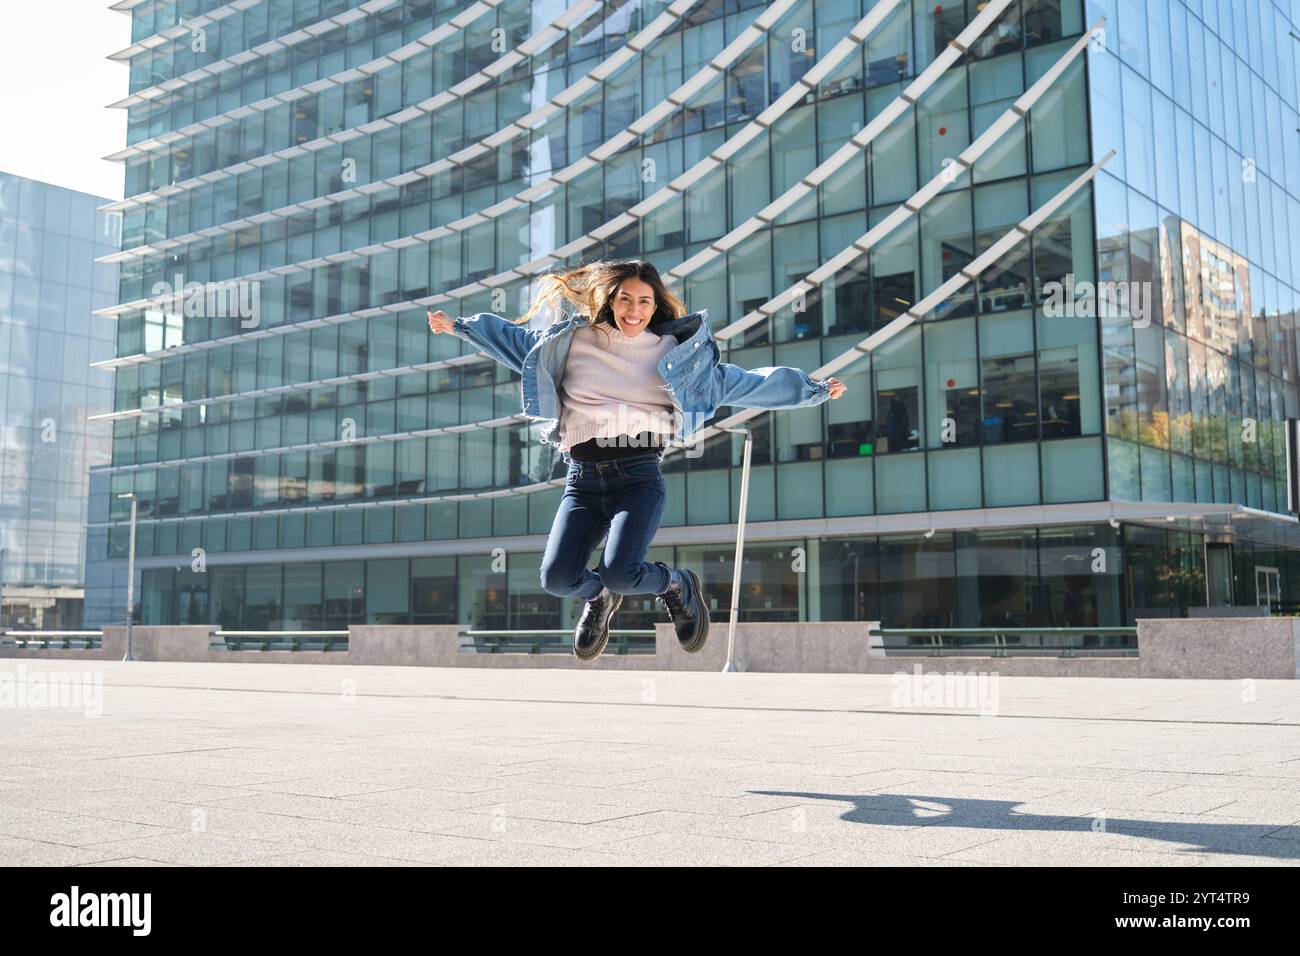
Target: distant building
50	286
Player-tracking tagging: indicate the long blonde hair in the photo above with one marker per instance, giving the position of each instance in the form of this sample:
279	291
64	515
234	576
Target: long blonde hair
591	288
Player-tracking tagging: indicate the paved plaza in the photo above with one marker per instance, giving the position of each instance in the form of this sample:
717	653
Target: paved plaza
287	765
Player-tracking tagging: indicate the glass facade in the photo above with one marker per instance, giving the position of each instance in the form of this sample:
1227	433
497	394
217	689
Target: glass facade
319	458
49	286
195	40
1199	204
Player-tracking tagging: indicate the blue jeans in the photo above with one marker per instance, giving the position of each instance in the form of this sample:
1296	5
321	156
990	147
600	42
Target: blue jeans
625	497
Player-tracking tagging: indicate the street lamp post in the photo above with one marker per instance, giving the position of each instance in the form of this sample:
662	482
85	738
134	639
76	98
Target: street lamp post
130	577
730	666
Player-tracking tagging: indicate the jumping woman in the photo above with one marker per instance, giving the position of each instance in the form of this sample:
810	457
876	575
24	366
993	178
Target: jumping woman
614	383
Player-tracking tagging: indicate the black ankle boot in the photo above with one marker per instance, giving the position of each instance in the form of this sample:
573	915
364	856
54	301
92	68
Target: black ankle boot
592	633
686	607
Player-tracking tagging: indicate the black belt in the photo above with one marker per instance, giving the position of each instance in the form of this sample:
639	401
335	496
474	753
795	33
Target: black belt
624	446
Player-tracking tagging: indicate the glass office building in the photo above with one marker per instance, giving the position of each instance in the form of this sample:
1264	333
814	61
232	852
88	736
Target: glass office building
50	285
1000	461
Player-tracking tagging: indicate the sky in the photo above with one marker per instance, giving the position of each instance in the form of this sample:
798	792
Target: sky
54	86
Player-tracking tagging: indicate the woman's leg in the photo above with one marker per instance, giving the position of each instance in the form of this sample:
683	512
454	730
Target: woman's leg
634	516
579	523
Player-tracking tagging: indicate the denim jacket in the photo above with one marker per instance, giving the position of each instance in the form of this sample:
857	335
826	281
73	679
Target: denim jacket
697	383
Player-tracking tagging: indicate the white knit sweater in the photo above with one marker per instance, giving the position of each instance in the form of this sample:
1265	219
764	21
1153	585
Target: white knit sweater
612	385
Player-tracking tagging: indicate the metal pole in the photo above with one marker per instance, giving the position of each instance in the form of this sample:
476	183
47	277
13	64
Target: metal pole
4	553
730	666
130	579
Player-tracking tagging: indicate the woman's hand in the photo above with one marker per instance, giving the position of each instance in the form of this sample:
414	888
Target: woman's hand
440	322
838	388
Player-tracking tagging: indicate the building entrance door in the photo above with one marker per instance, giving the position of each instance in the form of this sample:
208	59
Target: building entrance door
1218	567
1268	586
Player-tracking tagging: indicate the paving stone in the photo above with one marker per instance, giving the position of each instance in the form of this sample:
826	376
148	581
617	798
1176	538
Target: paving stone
269	765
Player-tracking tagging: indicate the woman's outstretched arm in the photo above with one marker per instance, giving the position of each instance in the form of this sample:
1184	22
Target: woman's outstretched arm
780	386
505	341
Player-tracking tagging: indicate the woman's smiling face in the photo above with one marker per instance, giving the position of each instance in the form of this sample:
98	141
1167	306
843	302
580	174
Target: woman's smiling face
633	306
